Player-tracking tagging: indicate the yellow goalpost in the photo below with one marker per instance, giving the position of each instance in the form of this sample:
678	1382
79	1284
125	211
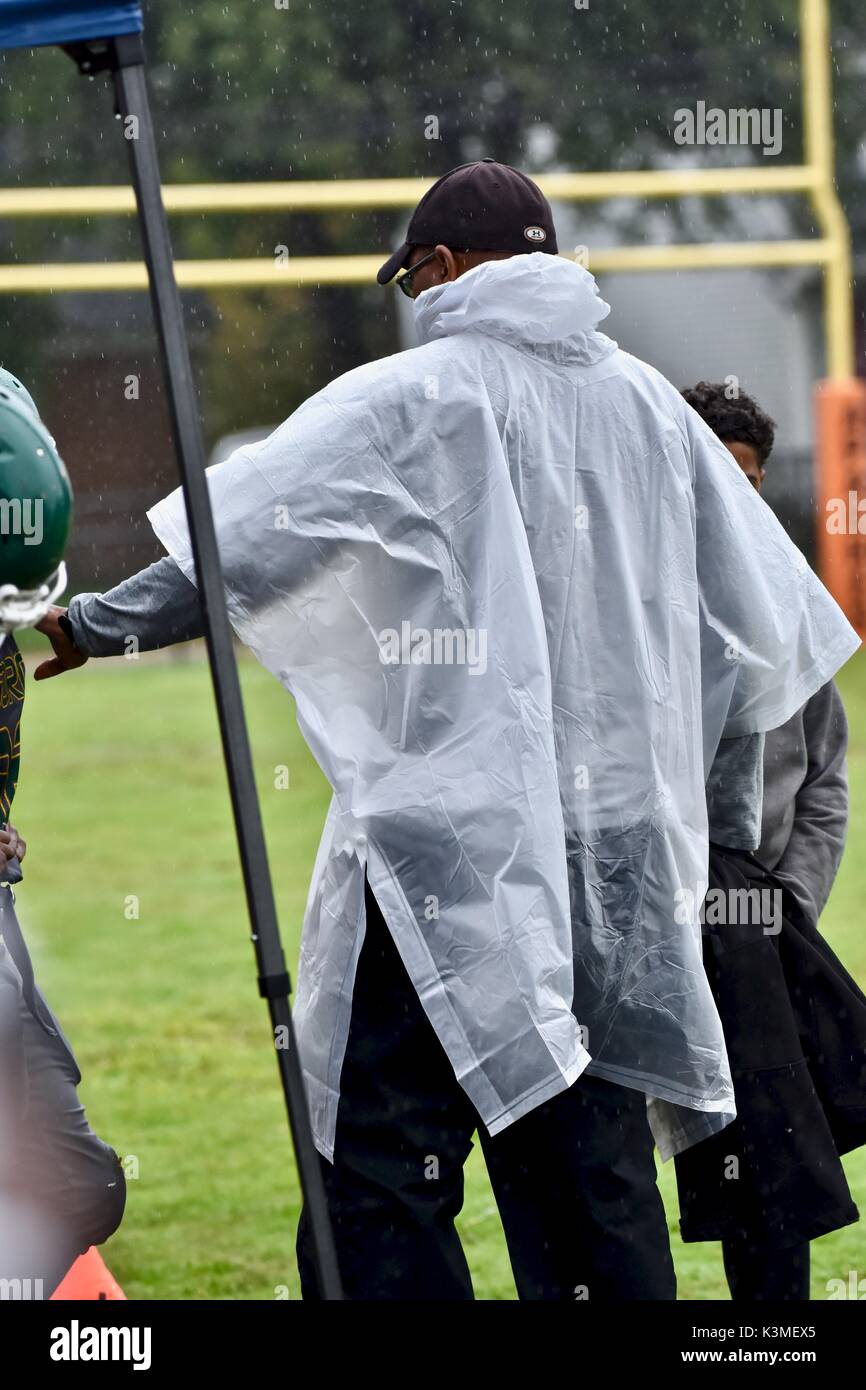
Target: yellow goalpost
841	397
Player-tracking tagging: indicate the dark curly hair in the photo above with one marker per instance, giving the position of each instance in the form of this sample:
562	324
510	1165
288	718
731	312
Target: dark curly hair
741	420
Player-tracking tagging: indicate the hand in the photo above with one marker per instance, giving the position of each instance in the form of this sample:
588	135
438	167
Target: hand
11	847
66	654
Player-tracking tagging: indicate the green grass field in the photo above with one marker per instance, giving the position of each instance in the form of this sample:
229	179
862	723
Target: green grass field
123	796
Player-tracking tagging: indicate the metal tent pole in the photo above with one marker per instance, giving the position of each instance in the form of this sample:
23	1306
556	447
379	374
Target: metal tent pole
124	56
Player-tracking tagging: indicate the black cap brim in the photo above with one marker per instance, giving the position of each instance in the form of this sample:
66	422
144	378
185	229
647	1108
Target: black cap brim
394	263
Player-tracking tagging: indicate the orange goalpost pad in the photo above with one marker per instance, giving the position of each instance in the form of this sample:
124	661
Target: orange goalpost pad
840	436
88	1279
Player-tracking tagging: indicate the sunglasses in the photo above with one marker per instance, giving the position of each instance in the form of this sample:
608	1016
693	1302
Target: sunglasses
404	282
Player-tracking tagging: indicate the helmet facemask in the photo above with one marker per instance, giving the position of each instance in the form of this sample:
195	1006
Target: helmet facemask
26	607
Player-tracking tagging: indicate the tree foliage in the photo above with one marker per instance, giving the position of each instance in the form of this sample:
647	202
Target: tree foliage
305	90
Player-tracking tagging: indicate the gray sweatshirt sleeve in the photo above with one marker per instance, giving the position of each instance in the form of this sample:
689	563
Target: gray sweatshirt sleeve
809	766
158	607
735	790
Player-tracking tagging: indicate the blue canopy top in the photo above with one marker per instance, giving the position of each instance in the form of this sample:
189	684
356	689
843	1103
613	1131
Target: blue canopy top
30	23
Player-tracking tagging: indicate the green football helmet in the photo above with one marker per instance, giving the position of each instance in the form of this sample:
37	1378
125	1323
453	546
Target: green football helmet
35	511
10	383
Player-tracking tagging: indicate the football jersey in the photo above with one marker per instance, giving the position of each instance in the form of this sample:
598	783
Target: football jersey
11	705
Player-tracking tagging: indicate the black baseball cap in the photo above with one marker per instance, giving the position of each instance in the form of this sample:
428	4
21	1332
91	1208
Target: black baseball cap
482	206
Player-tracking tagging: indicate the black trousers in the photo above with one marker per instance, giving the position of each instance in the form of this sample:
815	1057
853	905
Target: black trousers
62	1189
574	1180
756	1274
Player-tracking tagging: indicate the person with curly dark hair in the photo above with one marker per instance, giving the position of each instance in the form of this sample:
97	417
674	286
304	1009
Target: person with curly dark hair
778	810
739	422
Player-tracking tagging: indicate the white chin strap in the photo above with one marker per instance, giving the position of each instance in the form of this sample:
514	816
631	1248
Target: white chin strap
25	607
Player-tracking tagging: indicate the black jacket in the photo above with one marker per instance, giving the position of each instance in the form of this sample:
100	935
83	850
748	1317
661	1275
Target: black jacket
795	1028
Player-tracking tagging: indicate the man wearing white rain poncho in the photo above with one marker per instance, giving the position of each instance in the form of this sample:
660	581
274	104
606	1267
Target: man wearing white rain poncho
507	578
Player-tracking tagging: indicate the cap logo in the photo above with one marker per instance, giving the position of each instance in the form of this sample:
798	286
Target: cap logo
535	233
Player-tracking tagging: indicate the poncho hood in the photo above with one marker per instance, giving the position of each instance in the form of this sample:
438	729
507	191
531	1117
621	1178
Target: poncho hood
541	304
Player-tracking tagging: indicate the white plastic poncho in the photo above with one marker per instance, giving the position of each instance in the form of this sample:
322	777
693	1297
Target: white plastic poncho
519	592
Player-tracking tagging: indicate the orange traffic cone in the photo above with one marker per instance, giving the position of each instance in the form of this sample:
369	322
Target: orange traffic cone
89	1278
